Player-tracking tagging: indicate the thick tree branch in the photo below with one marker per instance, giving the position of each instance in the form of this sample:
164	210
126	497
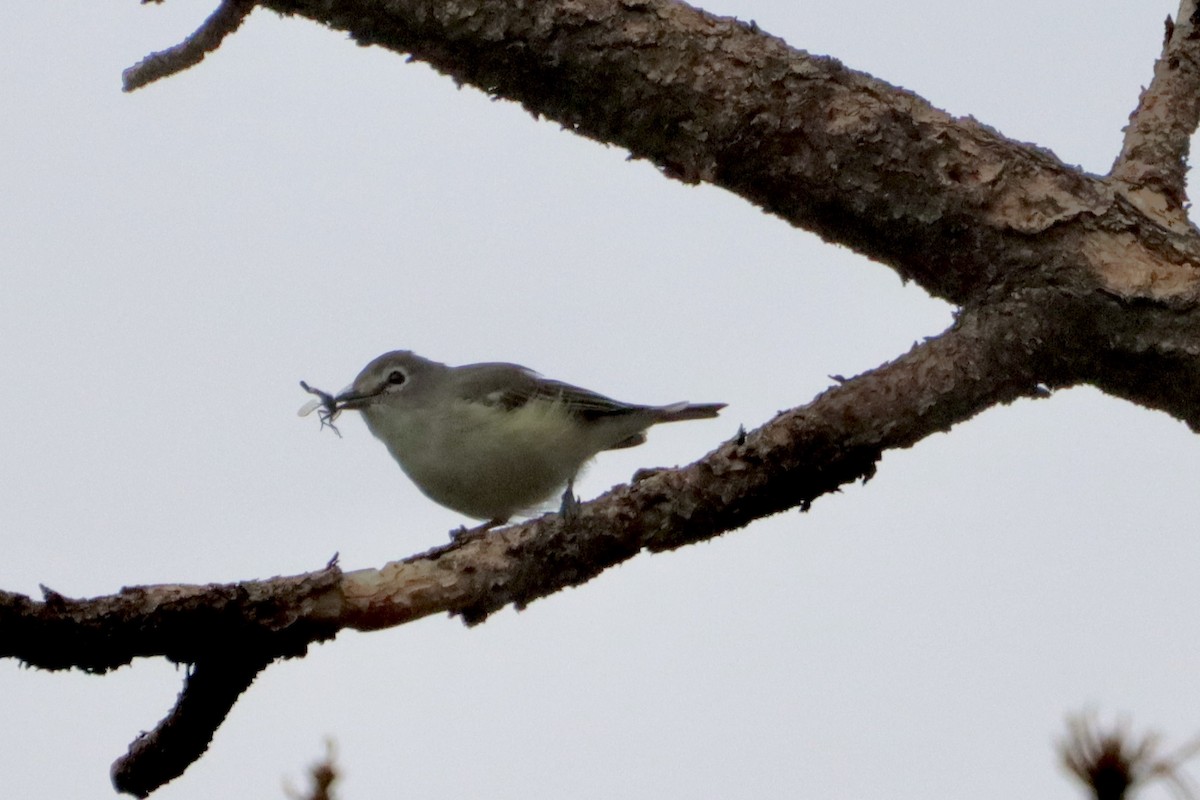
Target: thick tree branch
947	202
987	358
183	623
1063	278
1152	166
990	356
231	632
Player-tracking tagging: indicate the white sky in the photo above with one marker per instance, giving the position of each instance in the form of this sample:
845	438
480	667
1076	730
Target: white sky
174	261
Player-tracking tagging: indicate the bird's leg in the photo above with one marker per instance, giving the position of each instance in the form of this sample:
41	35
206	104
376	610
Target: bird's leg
569	510
464	534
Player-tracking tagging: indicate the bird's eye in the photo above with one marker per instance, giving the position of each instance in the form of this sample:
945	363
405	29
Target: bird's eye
396	376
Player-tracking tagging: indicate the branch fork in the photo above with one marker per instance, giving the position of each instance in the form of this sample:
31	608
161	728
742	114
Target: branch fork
1029	249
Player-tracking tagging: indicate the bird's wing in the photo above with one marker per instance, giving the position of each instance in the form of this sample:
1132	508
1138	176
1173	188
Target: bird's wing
510	386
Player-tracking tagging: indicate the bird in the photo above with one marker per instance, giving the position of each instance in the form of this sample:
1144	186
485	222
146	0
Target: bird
491	440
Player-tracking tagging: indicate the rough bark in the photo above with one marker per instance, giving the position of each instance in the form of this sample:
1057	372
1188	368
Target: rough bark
1061	277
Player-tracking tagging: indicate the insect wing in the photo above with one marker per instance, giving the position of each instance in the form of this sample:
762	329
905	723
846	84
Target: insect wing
309	407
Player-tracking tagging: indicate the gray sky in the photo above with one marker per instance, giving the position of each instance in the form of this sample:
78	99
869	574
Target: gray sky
172	262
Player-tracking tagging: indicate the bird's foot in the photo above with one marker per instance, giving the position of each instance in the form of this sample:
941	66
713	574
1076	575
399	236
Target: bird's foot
569	510
463	534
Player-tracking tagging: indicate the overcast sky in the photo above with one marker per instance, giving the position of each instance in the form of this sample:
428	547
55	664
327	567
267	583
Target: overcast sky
172	262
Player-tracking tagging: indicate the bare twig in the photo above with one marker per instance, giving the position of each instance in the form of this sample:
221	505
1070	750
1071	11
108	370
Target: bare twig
1153	160
1113	764
209	692
191	51
323	775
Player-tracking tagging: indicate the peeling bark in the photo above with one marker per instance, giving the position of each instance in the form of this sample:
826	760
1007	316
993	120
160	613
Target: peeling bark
1152	166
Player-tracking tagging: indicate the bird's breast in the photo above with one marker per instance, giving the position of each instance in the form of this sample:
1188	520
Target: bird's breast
485	461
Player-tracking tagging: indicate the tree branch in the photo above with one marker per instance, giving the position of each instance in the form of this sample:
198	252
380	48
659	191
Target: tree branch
230	632
211	688
946	202
1152	165
185	624
191	51
1063	278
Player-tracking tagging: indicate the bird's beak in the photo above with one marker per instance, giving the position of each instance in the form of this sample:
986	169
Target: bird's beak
350	398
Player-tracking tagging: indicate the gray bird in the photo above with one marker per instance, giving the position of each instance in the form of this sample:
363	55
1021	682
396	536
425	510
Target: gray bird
491	440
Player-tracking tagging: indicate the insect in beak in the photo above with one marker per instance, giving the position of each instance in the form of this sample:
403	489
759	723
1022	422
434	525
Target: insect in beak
330	406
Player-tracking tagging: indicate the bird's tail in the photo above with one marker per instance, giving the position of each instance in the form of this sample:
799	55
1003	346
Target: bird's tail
683	411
